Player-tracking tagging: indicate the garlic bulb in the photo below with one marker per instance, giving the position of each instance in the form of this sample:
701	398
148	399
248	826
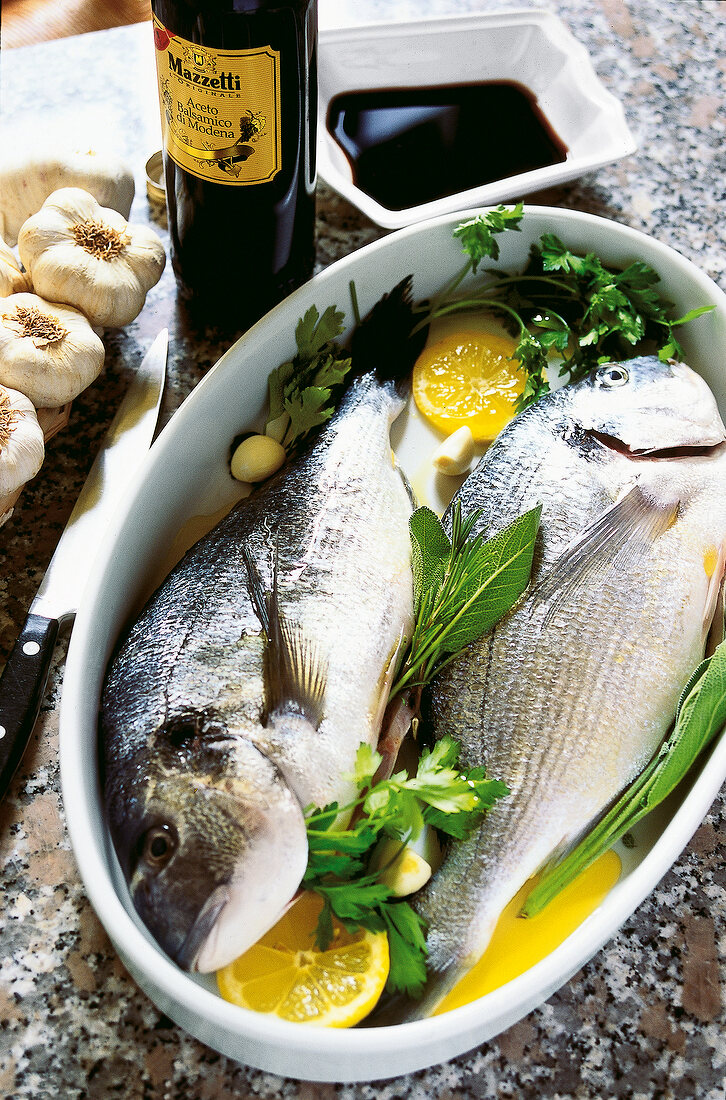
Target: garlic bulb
89	257
12	279
47	351
27	179
21	441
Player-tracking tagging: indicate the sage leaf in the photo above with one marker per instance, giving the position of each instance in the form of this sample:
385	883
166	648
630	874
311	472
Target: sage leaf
702	715
462	587
430	549
496	574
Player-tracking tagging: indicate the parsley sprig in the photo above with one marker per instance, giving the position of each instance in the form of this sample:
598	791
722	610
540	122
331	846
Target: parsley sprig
562	302
341	867
303	391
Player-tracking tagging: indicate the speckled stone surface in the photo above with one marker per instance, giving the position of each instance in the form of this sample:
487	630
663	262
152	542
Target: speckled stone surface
645	1018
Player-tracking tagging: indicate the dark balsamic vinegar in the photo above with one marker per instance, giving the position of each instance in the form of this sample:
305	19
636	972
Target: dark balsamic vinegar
237	250
408	146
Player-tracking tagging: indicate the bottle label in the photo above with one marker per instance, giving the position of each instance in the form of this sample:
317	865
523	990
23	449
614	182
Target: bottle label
220	109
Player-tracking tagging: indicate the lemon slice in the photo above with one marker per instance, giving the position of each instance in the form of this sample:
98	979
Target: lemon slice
468	378
285	975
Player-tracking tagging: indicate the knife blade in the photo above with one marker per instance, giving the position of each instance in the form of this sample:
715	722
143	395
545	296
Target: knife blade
22	684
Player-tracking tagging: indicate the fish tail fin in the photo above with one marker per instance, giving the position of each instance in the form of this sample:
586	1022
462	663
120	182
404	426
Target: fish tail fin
401	1008
384	341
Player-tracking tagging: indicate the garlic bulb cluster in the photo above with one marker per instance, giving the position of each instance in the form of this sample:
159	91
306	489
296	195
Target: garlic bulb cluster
12	279
28	178
48	351
85	268
21	444
88	256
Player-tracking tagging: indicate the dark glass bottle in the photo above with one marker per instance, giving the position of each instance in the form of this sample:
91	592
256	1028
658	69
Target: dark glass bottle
238	95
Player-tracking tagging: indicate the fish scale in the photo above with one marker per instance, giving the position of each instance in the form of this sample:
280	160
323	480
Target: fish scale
573	691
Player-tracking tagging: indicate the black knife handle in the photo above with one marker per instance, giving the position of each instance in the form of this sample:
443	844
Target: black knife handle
22	686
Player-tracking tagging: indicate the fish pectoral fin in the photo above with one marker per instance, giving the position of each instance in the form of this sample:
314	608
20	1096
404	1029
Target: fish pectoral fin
622	532
295	672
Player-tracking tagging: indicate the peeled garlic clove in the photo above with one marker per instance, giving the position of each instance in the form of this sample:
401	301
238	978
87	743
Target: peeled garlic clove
277	427
12	279
47	351
456	454
88	256
22	448
256	458
407	873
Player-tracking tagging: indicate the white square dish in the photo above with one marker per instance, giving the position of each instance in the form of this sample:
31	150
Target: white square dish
528	47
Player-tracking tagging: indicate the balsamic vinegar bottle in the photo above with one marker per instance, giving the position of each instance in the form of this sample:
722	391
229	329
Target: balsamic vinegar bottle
238	96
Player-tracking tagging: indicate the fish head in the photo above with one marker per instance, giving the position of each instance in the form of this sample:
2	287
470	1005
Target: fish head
211	840
645	405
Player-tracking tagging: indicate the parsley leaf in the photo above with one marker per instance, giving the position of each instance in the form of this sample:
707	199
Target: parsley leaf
478	236
301	392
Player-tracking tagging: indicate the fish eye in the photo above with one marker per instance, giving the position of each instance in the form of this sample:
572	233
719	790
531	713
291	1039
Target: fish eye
158	845
182	729
612	376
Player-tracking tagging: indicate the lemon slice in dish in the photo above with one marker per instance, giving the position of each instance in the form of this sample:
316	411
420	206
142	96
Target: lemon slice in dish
468	378
285	975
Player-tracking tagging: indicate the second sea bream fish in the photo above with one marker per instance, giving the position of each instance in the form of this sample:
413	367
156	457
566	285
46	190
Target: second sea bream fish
244	689
571	693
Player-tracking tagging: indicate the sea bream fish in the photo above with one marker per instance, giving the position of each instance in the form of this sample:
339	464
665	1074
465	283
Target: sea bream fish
571	693
242	692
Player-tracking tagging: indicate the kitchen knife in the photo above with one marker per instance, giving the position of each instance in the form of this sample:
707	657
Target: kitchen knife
127	441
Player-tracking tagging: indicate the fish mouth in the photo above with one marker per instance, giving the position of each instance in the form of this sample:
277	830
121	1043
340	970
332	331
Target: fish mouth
220	932
686	451
199	934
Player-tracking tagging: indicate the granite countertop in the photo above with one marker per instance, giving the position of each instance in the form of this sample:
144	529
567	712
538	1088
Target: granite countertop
645	1018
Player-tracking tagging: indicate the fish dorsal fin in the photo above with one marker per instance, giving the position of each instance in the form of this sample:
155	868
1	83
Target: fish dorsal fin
622	532
295	674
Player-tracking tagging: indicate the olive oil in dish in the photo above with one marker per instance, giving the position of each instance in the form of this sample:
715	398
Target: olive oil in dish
238	97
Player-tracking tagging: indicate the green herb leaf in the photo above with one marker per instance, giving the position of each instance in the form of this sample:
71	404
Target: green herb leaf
477	236
700	717
367	762
430	549
407	947
302	390
562	302
314	333
494	574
